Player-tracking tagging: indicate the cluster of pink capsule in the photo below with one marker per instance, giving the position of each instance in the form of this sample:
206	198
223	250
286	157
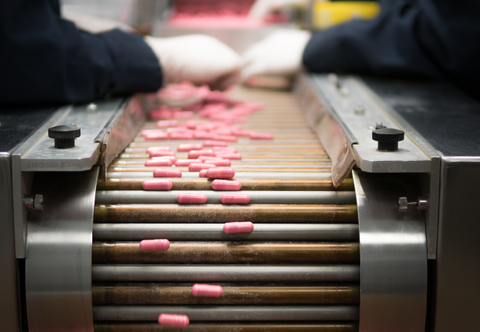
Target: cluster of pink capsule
211	158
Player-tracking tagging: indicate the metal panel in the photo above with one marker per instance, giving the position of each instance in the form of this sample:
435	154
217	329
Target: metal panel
59	253
393	255
8	283
458	270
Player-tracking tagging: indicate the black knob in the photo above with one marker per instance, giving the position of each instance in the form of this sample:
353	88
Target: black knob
64	135
388	138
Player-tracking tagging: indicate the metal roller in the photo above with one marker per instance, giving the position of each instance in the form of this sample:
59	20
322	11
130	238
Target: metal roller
214	232
225	273
213	197
243	175
232	313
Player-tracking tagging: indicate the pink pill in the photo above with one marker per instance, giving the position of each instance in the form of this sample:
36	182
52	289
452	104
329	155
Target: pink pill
157	185
167	123
185	162
159	162
181	135
214	143
203	135
221	173
235	199
197	167
218	149
154	245
220	162
238	227
228	138
172	158
161	153
173	320
231	156
207	290
261	136
167	173
203	173
177	130
158	148
191	199
226	185
208	158
189	147
156	136
198	153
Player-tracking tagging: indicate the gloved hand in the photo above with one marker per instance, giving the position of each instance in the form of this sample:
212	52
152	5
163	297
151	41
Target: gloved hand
278	54
94	24
199	59
262	8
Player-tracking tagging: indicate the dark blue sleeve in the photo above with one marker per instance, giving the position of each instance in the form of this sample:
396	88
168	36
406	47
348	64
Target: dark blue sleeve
434	39
44	59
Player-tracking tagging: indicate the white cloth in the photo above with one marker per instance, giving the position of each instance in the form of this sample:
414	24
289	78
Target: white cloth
277	54
199	59
262	8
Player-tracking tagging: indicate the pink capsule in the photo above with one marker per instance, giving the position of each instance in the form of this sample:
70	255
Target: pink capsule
185	162
172	158
207	290
238	227
203	173
158	148
226	185
231	156
156	136
154	245
220	162
191	199
208	158
235	199
197	167
177	130
214	143
159	162
221	173
186	135
261	136
189	147
157	185
228	138
203	135
198	153
167	123
219	149
167	173
173	320
161	153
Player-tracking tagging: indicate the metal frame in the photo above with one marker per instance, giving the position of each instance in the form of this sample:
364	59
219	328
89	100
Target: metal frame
59	253
393	255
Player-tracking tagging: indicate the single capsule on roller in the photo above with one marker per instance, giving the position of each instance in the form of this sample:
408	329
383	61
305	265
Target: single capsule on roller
180	135
167	173
207	290
221	173
157	185
158	148
238	227
226	185
198	153
197	167
189	147
261	136
218	149
159	162
161	153
172	158
173	320
191	199
214	143
231	156
167	123
154	245
235	199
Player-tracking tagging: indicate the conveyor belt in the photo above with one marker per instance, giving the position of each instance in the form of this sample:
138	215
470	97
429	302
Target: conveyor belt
297	271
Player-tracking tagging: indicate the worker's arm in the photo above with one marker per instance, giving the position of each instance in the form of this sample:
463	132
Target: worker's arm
44	59
435	39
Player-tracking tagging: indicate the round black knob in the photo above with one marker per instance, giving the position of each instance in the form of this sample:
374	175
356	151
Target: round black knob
388	138
64	135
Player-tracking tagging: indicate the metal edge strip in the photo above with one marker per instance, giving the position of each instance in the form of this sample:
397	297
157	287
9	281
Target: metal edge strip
58	266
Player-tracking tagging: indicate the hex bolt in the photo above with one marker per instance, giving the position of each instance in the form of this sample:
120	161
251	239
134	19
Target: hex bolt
64	135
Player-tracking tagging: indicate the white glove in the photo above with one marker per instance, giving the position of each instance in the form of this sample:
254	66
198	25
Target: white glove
94	24
278	54
262	8
199	59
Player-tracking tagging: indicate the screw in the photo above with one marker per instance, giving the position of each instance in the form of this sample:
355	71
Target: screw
359	110
33	202
92	108
403	204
